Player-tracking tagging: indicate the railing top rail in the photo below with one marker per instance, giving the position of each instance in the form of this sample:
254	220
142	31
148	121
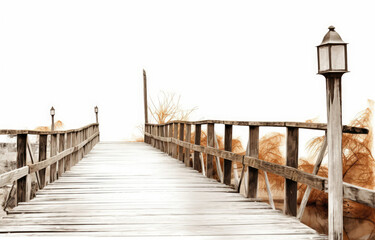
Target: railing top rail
313	126
35	132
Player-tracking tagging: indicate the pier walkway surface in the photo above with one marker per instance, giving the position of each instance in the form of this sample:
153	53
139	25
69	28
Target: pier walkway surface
132	190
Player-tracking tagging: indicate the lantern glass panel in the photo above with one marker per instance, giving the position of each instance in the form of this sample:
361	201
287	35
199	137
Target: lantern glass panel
323	58
338	57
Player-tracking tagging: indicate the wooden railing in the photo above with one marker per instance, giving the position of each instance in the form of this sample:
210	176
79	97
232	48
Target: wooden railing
66	149
175	139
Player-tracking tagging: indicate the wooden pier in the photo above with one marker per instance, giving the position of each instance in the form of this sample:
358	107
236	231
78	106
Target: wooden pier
133	190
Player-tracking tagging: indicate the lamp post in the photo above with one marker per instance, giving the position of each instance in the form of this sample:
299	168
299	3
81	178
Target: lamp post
332	64
96	109
52	112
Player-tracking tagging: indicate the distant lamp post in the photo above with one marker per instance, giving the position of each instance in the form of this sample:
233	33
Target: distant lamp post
96	113
52	112
332	63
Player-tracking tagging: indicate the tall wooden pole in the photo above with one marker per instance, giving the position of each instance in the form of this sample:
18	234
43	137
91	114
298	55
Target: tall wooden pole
145	101
334	138
145	95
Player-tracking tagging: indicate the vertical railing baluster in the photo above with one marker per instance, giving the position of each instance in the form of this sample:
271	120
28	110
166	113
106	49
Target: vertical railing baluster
210	143
228	147
290	203
170	134
181	138
252	191
42	157
68	163
53	152
175	136
21	162
187	150
61	164
197	141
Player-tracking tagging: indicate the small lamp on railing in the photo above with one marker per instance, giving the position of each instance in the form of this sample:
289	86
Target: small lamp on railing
52	112
332	64
96	113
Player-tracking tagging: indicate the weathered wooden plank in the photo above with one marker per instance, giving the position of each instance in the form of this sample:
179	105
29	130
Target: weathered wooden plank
312	126
290	192
359	194
291	173
50	161
228	147
11	176
34	132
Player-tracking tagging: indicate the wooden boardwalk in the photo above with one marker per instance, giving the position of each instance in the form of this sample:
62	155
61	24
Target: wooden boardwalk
133	190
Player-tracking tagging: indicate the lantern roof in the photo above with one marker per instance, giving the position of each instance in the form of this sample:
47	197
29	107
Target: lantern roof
332	37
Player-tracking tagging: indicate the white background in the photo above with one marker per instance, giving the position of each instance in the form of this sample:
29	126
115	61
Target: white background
234	60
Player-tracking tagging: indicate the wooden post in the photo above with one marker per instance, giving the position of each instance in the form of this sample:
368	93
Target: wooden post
334	138
210	143
253	172
175	135
170	134
145	98
74	144
197	141
165	134
68	162
228	147
53	152
180	148
187	150
21	162
290	202
61	163
42	157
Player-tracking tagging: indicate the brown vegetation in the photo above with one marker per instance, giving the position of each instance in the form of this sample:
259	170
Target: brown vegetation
58	126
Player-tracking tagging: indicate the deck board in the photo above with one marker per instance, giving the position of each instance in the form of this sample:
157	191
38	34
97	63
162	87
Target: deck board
132	190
